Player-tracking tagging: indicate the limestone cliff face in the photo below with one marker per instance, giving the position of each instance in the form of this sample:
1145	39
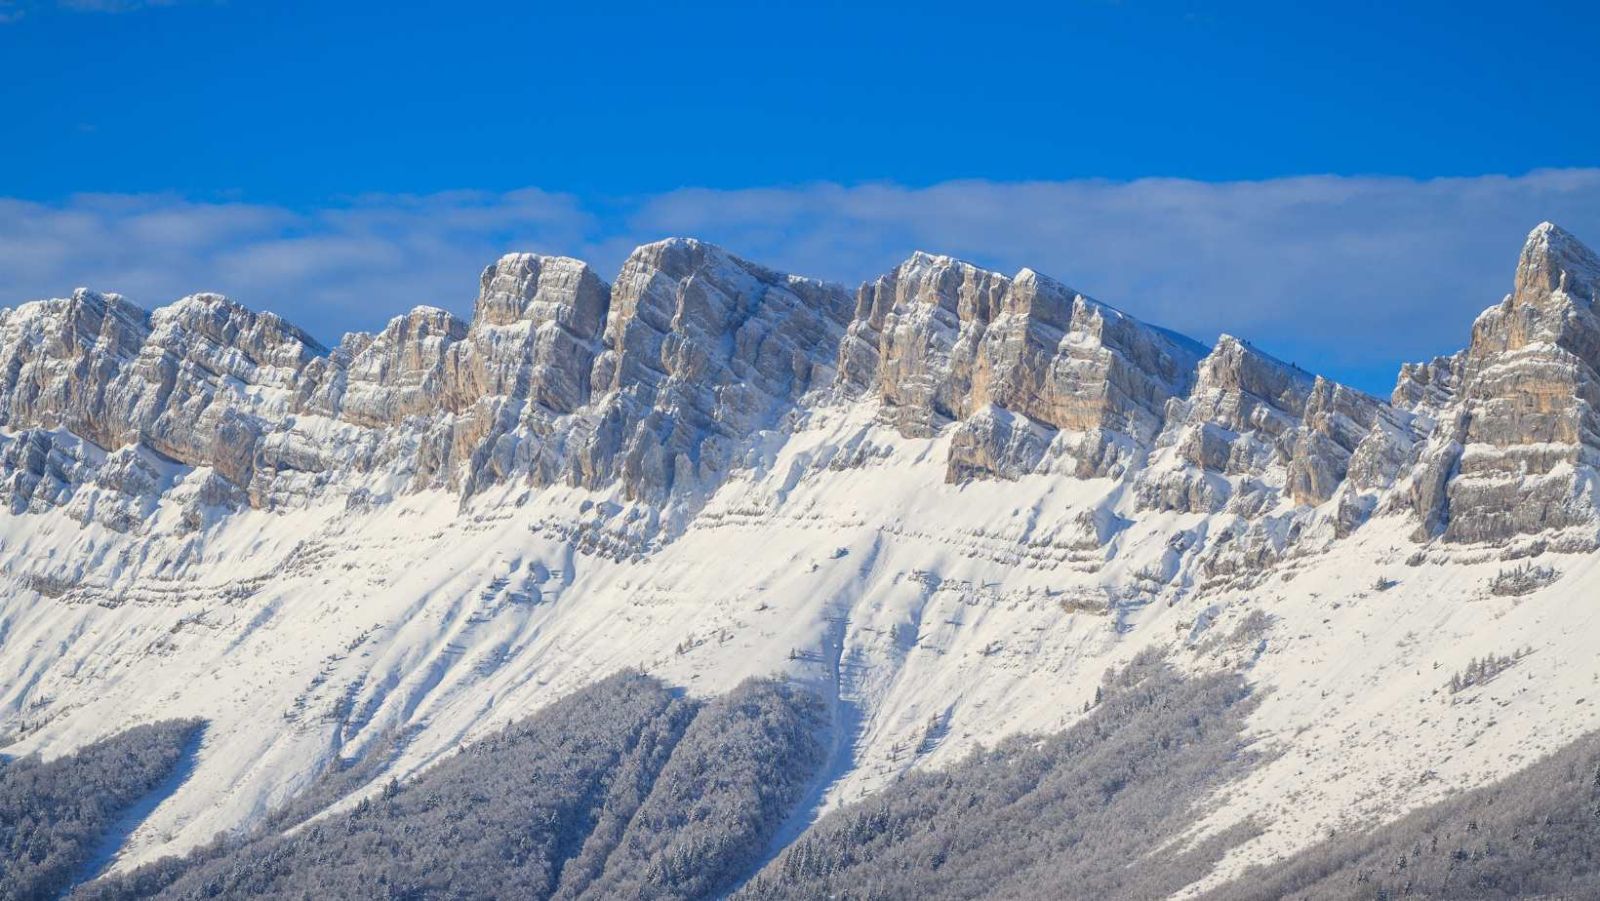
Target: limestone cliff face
1034	375
1428	388
667	382
1529	393
479	400
535	333
1405	462
1257	435
702	350
190	382
58	357
1332	427
1097	377
925	322
381	380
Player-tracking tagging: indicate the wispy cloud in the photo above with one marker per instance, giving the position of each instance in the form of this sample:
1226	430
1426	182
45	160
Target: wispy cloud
341	268
1344	275
111	6
16	10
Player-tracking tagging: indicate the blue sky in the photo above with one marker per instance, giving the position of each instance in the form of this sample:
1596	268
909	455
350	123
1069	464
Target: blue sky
1347	186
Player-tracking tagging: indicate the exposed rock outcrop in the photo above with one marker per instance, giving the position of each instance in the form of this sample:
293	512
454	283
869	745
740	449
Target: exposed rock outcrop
1335	421
702	350
1517	440
1036	375
665	383
1230	443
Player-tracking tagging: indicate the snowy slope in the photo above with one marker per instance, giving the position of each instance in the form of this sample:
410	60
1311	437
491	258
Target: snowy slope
806	519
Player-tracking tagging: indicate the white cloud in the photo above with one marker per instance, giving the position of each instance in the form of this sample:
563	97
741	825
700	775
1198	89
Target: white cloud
1345	275
16	10
341	268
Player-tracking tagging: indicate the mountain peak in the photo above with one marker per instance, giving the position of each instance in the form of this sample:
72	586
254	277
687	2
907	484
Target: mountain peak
89	294
1027	276
535	288
927	257
1235	349
428	319
675	242
1554	259
680	257
1237	367
922	260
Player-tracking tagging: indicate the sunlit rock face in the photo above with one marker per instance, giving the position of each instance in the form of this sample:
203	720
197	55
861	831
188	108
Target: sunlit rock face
207	383
702	350
535	333
1033	375
1228	445
929	315
401	371
1335	421
57	358
672	379
193	382
1525	416
949	500
510	382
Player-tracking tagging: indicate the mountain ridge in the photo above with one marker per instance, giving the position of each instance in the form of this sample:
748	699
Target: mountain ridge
654	381
950	495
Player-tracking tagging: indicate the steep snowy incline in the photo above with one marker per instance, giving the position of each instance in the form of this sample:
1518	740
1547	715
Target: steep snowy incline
948	509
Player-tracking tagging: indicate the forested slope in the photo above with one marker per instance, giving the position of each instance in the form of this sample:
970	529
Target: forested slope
628	789
55	814
1535	834
1084	814
623	786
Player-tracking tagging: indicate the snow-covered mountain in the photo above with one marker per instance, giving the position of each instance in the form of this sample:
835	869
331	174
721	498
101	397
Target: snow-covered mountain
950	496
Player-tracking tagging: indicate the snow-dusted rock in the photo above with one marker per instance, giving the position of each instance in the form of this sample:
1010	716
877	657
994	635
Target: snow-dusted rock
953	496
1334	423
1033	374
535	333
1229	443
702	349
399	372
663	384
1507	439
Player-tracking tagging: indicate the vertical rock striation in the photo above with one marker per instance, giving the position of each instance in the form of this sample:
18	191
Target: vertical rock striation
675	376
1263	446
1033	375
702	350
1530	387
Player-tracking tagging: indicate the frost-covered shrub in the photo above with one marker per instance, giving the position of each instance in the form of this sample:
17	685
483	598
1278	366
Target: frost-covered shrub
1252	628
1523	579
53	815
1481	670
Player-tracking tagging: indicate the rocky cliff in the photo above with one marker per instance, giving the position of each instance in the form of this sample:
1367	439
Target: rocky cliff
1530	383
947	502
663	383
1034	375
